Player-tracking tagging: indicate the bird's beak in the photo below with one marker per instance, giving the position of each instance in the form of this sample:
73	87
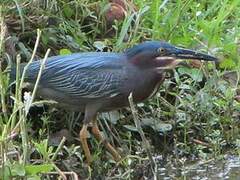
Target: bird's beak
180	53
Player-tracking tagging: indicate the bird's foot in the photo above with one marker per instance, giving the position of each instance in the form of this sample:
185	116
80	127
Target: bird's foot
96	132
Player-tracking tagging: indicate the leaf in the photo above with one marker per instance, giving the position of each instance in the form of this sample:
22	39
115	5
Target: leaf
24	50
157	125
131	128
5	172
194	73
99	45
35	169
181	117
18	170
227	63
112	116
64	51
125	27
42	148
45	38
185	86
34	178
162	127
68	11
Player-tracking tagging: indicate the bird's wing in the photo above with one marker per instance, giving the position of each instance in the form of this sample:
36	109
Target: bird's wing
82	75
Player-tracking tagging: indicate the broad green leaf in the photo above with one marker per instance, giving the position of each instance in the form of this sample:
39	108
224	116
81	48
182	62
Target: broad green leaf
18	170
194	73
64	51
68	11
35	169
5	172
227	63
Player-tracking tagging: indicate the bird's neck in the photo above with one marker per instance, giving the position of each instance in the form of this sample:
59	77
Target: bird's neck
148	85
141	60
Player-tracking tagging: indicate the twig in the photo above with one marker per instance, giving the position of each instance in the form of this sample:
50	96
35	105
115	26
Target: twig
37	81
17	99
32	57
60	172
145	142
58	148
19	85
201	143
2	36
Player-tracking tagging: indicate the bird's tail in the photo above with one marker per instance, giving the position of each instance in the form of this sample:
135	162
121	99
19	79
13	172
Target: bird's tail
13	71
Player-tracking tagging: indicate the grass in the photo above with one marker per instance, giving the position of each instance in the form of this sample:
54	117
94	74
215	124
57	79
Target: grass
194	115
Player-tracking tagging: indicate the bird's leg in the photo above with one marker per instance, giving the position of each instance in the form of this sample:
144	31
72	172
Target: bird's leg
96	132
83	139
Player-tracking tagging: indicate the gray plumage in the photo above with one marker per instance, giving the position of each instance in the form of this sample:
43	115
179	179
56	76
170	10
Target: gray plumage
85	75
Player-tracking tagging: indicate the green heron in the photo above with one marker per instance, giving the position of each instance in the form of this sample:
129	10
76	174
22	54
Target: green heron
97	82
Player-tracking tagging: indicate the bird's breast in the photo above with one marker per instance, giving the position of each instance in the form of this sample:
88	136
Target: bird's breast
141	84
145	85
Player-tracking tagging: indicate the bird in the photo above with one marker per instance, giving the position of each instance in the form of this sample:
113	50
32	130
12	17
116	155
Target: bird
96	82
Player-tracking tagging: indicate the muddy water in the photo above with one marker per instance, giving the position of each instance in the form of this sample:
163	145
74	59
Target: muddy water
227	168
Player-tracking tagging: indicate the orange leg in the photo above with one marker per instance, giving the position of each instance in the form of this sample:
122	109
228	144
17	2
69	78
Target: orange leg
83	139
110	148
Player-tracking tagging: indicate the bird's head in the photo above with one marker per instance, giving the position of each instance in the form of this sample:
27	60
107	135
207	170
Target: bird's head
162	55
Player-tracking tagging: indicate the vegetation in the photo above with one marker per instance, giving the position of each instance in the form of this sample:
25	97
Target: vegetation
195	114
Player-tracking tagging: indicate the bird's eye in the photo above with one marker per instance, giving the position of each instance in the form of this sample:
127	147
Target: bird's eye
161	50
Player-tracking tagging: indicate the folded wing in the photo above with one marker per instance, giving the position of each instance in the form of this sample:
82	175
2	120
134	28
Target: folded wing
82	75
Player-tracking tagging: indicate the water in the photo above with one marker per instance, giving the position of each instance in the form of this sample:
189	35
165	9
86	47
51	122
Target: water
227	168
